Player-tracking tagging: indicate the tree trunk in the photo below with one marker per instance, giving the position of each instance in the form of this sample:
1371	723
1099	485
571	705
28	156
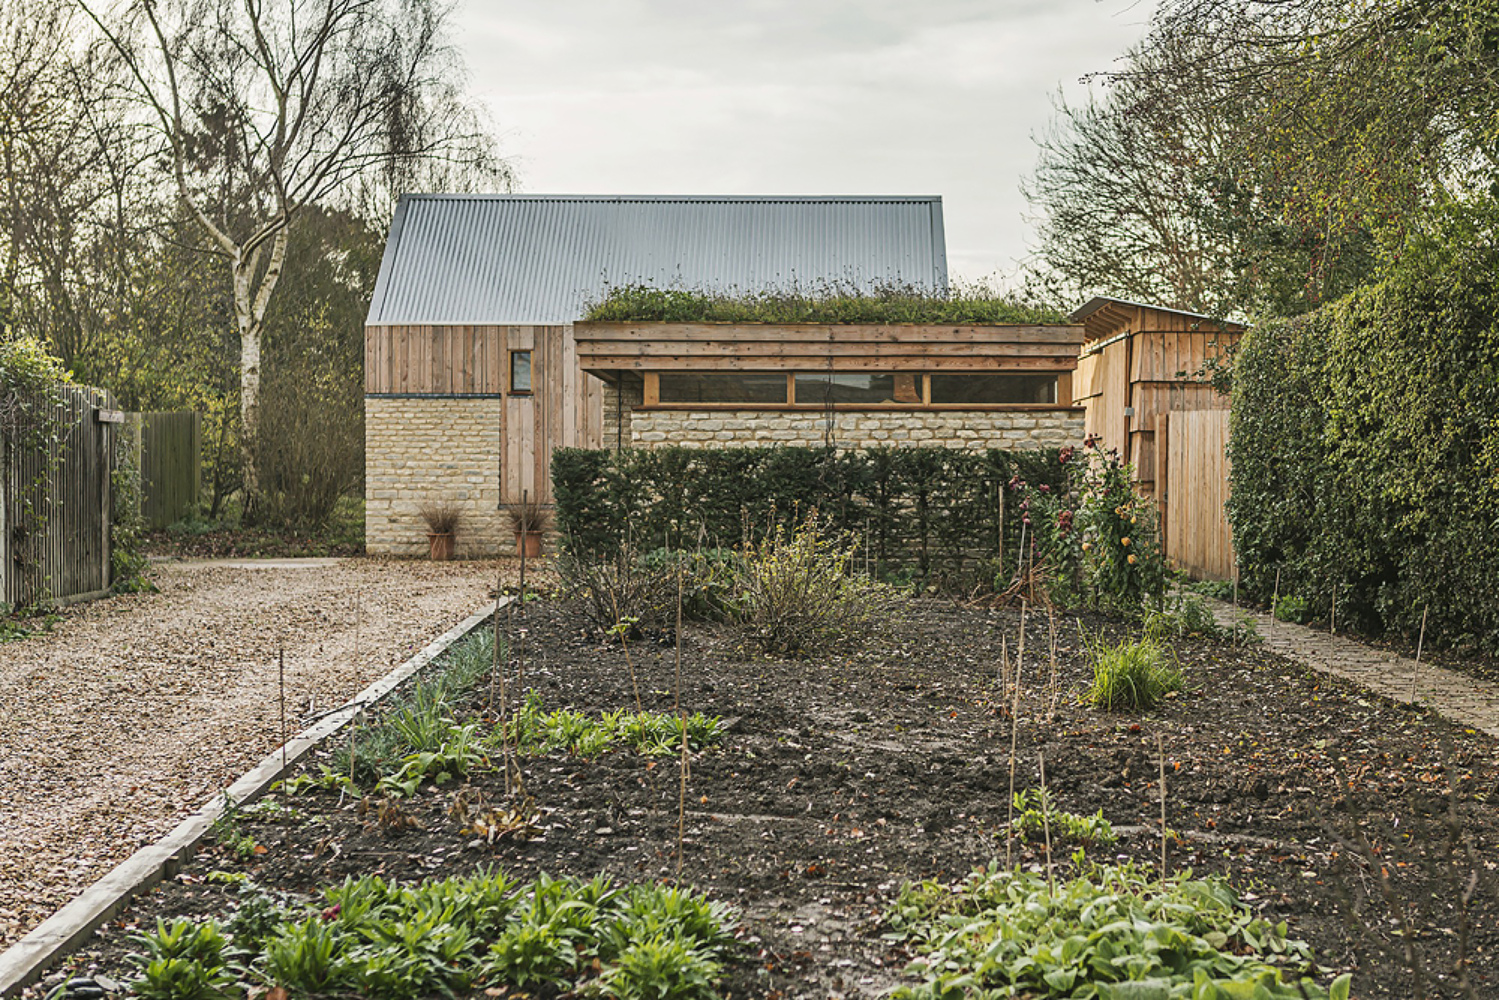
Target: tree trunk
250	301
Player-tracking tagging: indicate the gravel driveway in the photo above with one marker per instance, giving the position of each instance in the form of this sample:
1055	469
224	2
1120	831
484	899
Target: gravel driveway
134	710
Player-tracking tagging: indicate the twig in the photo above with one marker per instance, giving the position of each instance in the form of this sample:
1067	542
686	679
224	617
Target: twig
1274	601
281	685
1051	878
1014	737
521	678
681	721
1160	752
1420	642
1054	685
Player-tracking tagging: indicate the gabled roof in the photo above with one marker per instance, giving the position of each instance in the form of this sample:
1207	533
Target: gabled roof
540	259
1103	312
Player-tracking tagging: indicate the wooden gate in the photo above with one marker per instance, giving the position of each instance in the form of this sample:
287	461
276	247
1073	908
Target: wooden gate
171	466
55	479
1197	535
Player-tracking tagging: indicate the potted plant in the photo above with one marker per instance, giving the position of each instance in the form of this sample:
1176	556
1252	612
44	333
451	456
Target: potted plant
530	520
442	519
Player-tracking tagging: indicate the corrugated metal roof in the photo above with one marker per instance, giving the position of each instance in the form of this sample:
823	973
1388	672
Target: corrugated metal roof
543	258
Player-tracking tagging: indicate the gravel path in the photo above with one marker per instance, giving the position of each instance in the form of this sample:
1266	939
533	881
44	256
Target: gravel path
134	710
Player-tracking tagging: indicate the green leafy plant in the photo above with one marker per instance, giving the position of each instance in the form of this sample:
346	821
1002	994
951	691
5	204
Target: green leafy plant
455	758
257	914
1114	933
325	779
1186	614
830	303
1289	608
1034	811
1364	449
184	960
311	956
1132	676
659	968
941	516
533	730
708	579
1125	569
228	834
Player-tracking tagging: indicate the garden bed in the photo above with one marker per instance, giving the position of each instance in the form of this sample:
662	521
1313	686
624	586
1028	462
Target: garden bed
840	779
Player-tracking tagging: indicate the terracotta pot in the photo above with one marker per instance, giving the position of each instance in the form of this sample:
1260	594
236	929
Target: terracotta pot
440	545
532	542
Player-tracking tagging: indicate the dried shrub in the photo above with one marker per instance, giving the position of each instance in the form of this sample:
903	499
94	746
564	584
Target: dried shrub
796	595
441	518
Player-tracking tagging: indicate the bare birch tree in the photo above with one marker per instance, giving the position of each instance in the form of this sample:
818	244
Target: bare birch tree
266	107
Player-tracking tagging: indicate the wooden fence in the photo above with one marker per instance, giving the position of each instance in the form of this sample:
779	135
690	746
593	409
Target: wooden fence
171	466
56	457
1197	536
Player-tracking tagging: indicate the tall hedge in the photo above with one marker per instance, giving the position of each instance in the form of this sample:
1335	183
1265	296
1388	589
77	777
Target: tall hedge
1365	446
932	511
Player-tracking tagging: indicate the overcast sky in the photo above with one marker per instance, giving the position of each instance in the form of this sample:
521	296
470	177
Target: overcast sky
776	97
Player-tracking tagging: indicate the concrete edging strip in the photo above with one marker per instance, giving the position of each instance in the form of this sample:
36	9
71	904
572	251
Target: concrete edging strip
24	962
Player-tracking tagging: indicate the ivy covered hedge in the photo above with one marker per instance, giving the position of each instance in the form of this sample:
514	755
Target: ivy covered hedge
975	306
926	511
1365	446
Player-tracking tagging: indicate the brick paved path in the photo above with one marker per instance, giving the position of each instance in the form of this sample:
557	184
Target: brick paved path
1459	698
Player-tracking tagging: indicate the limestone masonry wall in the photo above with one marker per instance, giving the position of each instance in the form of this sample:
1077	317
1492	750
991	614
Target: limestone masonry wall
975	429
432	451
618	413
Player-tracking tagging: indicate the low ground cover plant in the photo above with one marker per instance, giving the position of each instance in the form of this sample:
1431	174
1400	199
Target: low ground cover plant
1186	614
533	730
384	939
1035	813
1112	933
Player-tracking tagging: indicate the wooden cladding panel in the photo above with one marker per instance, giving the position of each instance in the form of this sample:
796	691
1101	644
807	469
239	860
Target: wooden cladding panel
1197	534
816	362
1160	355
445	359
840	333
607	347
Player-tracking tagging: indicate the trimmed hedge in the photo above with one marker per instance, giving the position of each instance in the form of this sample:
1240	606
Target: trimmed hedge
1365	446
933	512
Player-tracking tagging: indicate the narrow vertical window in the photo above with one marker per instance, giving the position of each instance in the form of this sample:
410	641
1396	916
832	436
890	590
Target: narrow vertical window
520	371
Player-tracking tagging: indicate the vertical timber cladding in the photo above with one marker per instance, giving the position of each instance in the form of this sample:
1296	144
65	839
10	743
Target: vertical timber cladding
1140	363
412	368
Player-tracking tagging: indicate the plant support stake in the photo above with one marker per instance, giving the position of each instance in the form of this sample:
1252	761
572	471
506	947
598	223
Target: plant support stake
1420	642
281	685
1051	877
1160	752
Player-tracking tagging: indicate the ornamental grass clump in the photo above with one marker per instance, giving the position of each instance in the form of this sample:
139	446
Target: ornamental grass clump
1133	676
1111	934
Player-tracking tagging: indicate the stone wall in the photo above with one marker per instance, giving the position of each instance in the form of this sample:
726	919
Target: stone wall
976	429
432	451
618	413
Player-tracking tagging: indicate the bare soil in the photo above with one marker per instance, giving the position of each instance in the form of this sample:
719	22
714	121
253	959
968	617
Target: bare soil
131	712
845	776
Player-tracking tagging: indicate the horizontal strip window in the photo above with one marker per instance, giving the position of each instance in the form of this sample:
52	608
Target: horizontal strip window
434	395
949	388
893	390
722	387
864	388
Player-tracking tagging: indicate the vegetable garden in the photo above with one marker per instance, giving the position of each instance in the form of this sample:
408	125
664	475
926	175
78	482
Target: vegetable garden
818	784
